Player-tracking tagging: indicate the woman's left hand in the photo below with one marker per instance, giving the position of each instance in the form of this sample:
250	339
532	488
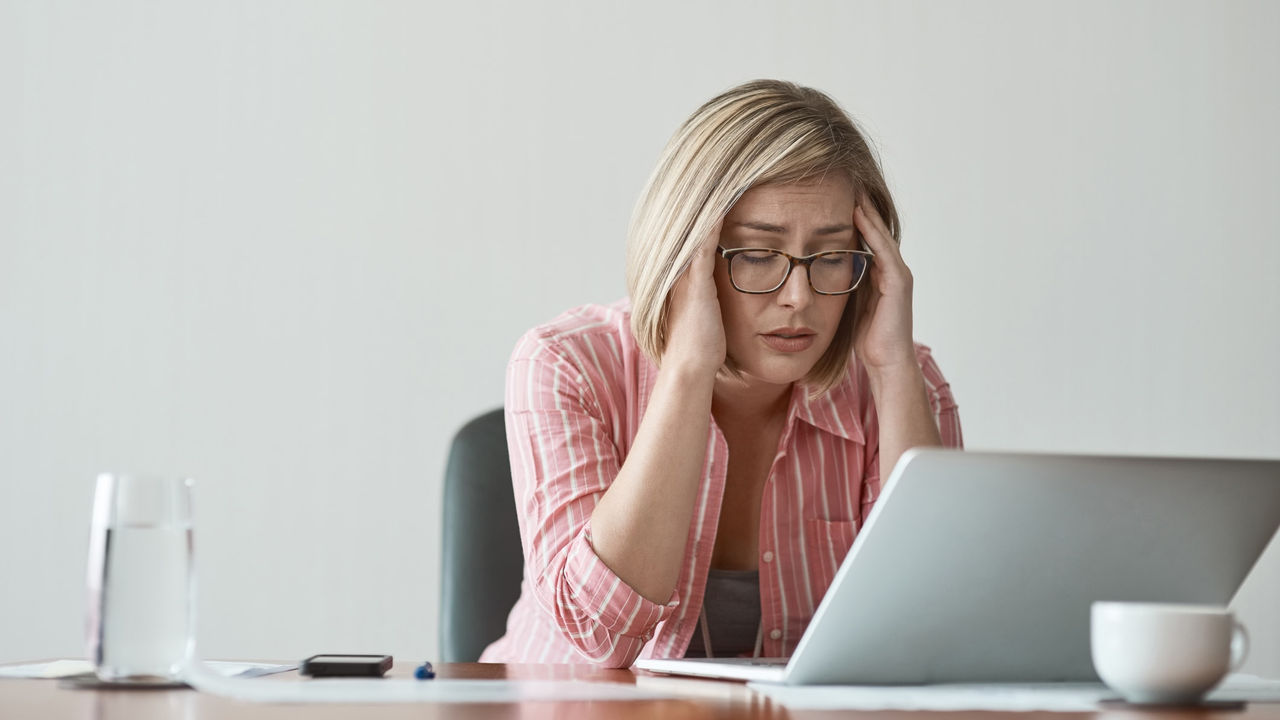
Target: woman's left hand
883	339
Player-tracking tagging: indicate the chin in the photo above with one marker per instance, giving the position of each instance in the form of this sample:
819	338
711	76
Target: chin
775	371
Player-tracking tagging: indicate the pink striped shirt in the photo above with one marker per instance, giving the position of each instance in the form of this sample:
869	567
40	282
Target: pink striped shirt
576	391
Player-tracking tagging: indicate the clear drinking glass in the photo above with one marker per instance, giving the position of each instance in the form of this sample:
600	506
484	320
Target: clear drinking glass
141	579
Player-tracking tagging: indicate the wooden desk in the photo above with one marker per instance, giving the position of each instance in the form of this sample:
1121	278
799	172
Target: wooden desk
32	699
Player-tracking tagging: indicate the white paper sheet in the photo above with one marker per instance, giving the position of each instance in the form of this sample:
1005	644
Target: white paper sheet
54	669
403	690
69	668
1056	697
696	688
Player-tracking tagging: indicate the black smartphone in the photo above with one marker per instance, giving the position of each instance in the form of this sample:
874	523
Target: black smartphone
345	665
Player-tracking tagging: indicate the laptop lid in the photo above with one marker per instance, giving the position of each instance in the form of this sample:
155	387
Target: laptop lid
978	566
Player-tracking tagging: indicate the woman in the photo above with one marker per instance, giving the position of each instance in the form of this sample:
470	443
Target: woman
691	467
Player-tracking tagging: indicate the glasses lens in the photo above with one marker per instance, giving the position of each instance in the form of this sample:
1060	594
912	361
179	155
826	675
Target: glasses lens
837	272
758	270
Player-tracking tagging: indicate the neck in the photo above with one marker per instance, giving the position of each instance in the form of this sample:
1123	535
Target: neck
748	399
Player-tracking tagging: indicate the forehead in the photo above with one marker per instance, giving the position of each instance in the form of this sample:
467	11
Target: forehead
830	198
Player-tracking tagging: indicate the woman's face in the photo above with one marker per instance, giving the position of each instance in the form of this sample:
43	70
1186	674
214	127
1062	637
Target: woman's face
777	338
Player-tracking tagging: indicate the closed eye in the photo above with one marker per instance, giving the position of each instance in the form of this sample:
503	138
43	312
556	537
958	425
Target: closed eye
758	258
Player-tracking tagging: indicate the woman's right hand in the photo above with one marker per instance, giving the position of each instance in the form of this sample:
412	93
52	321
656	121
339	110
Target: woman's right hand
695	329
640	525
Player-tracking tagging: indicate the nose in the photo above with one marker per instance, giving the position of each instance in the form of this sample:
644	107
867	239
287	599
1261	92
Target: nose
795	292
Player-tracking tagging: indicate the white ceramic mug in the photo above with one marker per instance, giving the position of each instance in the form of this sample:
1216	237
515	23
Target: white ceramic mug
1165	653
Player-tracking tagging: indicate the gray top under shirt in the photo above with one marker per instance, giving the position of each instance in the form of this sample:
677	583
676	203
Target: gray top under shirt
732	605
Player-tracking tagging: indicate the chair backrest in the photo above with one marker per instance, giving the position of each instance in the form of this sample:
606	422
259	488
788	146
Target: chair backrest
482	561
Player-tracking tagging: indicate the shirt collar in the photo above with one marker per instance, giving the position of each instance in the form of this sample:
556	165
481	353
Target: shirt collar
836	411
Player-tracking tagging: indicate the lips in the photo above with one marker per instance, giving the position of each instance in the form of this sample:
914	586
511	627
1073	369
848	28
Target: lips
789	339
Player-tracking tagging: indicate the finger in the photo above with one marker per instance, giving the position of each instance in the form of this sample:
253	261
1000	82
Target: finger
880	242
712	240
862	298
868	300
704	260
870	209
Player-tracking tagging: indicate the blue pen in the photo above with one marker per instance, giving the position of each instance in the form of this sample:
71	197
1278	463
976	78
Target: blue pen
424	671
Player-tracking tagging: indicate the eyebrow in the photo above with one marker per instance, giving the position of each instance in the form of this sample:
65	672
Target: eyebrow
770	228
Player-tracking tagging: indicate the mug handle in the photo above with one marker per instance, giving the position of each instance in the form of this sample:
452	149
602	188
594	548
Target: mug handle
1239	645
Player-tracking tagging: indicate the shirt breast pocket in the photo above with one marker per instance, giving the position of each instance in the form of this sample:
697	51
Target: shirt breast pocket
827	542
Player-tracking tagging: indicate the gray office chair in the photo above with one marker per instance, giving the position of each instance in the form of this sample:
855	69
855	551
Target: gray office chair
482	560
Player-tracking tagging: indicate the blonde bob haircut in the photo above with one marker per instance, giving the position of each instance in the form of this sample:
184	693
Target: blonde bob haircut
759	133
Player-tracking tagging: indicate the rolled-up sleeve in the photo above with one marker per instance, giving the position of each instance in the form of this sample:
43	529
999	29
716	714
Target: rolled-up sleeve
563	458
945	411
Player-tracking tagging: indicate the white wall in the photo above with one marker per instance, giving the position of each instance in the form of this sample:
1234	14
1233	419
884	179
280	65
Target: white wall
286	247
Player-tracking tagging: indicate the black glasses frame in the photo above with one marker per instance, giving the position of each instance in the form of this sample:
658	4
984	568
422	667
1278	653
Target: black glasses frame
792	260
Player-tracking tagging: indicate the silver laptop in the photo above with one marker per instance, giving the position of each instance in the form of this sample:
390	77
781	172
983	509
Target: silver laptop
978	566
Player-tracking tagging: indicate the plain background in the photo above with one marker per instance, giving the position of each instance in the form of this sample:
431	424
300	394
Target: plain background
286	248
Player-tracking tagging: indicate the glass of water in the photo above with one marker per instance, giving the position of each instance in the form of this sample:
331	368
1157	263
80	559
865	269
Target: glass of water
141	580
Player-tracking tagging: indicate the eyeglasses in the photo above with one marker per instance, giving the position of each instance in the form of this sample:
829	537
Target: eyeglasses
759	271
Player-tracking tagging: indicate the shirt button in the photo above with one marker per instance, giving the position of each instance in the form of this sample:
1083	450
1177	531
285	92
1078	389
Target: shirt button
768	556
775	634
648	635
